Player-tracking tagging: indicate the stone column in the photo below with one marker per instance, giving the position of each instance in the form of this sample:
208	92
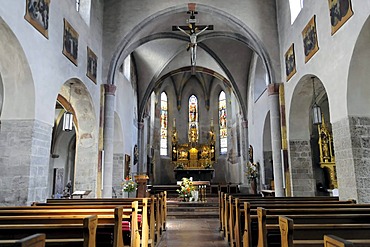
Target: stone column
273	93
109	90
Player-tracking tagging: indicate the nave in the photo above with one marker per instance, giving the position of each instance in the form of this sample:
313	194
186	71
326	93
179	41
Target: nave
197	232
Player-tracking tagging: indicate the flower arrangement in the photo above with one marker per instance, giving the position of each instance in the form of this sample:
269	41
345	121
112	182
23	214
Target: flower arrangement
186	188
252	171
128	185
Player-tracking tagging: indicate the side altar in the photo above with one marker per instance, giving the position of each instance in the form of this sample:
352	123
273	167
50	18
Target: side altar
193	159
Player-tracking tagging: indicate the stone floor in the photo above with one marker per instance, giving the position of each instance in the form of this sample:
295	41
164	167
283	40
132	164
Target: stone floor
200	232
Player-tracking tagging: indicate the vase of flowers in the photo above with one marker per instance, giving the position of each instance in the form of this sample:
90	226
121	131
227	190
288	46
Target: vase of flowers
252	175
129	188
186	188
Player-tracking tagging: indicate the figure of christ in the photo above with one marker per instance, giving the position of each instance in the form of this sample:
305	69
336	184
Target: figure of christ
193	42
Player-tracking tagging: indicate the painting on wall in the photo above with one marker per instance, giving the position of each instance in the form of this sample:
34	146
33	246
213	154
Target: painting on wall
290	67
70	42
92	65
310	43
37	13
340	12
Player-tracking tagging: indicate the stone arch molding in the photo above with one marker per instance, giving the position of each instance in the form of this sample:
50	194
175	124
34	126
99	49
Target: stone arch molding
18	84
87	134
126	47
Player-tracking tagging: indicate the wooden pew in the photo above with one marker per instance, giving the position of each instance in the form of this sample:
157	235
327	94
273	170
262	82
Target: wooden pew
334	241
257	199
233	222
157	211
268	221
312	234
36	240
81	231
110	219
155	216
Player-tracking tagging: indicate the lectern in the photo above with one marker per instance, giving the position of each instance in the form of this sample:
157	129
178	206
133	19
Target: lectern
142	181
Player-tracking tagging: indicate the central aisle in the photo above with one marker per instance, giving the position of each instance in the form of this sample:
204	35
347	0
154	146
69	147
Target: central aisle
198	232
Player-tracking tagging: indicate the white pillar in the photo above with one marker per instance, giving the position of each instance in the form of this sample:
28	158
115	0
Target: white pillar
109	90
273	92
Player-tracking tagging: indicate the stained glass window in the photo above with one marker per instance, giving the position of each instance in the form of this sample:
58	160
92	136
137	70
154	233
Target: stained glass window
164	120
193	113
222	116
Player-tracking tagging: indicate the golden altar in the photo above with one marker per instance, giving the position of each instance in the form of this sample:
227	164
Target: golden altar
192	155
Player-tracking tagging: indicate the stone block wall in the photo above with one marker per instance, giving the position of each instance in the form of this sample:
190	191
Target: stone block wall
118	166
24	161
352	154
302	180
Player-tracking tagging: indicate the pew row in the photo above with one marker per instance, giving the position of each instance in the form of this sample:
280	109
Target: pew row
268	221
69	231
110	219
157	209
233	218
293	234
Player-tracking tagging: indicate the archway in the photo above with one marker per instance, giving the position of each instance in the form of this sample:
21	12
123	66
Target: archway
303	136
76	151
18	118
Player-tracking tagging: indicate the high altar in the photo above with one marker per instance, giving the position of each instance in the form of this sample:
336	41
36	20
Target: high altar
193	159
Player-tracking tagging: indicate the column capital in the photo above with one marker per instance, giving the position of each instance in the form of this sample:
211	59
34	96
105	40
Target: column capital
110	89
273	88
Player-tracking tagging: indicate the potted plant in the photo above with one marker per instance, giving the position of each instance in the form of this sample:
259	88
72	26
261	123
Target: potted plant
252	175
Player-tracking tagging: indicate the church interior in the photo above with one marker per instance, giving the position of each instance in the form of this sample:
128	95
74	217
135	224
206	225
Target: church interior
102	98
95	91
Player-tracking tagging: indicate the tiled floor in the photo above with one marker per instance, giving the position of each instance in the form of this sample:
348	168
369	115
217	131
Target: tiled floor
201	232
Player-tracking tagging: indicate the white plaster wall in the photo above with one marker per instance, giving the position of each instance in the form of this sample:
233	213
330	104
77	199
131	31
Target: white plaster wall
125	103
49	67
331	62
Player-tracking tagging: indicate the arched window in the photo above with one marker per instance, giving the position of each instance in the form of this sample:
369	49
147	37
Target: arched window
193	113
295	8
164	120
222	119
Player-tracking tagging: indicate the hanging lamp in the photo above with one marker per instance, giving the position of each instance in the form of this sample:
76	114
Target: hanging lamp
68	116
316	110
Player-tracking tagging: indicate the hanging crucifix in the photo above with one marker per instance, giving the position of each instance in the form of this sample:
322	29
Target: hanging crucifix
192	31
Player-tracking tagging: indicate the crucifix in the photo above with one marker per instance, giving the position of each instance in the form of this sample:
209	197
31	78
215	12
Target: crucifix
192	31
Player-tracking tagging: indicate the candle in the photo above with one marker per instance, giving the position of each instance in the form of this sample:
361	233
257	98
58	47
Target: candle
174	122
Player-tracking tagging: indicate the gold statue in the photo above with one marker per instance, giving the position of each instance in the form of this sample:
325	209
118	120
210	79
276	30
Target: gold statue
193	134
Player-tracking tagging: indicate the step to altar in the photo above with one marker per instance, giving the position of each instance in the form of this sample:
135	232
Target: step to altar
187	210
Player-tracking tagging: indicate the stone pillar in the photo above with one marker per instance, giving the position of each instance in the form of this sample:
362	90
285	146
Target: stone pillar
141	146
273	93
24	161
109	90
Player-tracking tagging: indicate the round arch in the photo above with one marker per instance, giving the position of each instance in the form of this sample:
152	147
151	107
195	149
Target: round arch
18	84
80	103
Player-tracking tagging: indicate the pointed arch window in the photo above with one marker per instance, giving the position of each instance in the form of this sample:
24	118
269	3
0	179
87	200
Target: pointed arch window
193	112
222	119
163	120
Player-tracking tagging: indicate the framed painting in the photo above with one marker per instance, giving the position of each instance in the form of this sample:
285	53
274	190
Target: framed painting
310	43
92	65
70	42
340	12
37	13
290	67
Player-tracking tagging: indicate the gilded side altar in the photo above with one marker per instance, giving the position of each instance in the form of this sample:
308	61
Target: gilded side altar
327	158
